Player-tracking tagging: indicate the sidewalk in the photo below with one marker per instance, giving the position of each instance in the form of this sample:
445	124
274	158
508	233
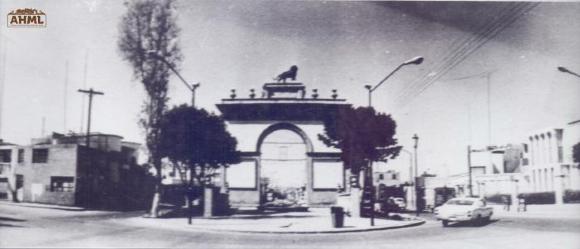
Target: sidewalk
571	211
313	221
38	205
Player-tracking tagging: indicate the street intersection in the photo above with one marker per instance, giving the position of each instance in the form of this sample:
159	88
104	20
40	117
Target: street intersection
41	227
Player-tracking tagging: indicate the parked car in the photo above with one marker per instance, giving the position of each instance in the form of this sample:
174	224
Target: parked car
463	209
400	202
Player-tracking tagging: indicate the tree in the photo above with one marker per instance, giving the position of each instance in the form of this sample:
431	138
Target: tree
362	135
192	138
576	152
150	27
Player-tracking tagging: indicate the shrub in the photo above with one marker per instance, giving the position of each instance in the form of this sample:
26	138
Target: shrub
572	196
539	197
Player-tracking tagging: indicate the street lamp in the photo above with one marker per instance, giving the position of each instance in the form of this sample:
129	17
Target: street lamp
416	138
566	70
191	87
417	60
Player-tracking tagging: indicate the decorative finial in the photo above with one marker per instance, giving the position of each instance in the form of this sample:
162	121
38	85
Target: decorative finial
252	93
233	95
290	74
314	93
334	94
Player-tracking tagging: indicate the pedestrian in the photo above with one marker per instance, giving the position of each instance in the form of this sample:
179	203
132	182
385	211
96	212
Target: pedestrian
506	202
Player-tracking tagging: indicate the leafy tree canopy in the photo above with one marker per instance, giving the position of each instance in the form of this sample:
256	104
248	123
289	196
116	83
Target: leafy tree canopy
195	137
576	152
362	135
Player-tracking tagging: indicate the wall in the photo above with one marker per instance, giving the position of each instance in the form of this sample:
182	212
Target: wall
62	160
248	135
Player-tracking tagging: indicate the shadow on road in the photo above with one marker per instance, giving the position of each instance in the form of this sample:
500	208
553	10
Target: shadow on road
472	224
2	218
8	219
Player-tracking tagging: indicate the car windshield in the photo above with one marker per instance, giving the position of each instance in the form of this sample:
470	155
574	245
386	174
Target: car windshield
459	202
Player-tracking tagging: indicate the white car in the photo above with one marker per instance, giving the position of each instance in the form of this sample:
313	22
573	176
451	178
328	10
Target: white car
463	209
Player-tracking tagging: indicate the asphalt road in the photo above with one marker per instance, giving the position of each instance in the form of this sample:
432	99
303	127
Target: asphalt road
39	227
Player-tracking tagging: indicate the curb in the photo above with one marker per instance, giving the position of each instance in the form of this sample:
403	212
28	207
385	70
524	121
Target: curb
35	205
412	224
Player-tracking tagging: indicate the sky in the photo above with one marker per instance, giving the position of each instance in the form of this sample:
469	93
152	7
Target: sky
336	45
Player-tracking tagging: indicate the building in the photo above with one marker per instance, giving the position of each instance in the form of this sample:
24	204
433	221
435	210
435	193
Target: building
551	167
8	186
283	161
61	170
544	164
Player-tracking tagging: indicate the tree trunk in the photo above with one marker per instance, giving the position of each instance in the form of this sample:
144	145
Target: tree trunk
154	212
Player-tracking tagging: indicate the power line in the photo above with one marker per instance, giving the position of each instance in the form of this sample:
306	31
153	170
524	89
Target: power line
460	57
452	53
464	47
489	31
430	82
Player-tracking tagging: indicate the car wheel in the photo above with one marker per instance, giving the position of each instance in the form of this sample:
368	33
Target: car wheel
478	220
445	223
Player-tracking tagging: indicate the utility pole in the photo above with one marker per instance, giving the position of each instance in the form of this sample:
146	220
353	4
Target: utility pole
469	170
417	210
90	92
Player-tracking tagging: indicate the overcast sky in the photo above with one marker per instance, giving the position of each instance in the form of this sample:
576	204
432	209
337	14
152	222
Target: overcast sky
336	45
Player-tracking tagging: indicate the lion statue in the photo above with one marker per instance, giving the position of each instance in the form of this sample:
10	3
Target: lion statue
290	74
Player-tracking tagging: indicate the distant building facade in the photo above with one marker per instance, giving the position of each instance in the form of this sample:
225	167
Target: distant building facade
8	160
61	170
283	161
545	165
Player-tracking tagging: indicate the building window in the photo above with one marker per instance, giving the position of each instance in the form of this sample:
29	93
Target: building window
39	155
61	184
20	155
5	156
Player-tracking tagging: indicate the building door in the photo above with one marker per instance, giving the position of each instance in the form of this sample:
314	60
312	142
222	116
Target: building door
283	174
19	188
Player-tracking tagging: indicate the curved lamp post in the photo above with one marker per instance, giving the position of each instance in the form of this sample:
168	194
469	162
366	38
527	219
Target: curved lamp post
566	70
191	87
417	60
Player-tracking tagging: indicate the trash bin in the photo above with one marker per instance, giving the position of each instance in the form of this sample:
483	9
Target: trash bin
337	214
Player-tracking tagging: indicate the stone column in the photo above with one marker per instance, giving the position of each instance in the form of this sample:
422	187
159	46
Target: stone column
559	185
208	202
514	193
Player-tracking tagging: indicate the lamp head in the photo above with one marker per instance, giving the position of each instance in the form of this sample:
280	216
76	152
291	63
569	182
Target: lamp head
563	69
416	138
417	60
368	87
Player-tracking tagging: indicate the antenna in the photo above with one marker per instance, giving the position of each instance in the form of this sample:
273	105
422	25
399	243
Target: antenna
65	96
84	86
42	126
2	73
